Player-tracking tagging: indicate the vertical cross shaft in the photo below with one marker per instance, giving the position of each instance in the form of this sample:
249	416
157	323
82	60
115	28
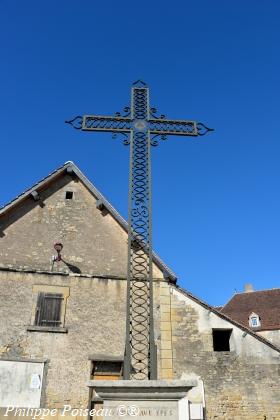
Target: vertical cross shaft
140	351
141	128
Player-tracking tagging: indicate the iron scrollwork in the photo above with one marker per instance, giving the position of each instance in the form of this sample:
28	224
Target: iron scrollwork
76	122
126	137
202	129
154	141
126	112
153	113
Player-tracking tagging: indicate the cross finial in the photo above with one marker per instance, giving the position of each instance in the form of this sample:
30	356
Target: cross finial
139	83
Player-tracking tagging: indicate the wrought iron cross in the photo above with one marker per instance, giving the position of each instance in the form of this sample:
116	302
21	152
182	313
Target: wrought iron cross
141	128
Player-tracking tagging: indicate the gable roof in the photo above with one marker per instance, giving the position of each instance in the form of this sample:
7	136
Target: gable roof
228	318
265	303
71	167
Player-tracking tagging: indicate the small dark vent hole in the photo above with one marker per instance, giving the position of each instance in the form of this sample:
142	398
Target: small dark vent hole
221	340
69	195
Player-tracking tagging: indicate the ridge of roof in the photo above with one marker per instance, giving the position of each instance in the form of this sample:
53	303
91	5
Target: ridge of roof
257	291
237	294
226	317
70	164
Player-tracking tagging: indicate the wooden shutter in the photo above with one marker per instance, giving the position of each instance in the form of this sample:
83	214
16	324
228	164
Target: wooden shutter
48	311
40	303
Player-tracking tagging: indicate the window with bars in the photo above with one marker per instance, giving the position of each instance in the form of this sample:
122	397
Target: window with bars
48	309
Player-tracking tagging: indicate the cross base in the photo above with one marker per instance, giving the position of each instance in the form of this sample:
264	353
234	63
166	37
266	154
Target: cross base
141	400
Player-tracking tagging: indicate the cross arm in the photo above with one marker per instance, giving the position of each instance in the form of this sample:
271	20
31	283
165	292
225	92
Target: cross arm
164	127
101	123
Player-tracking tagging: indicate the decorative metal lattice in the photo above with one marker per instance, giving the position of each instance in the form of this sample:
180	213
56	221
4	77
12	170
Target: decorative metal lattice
141	128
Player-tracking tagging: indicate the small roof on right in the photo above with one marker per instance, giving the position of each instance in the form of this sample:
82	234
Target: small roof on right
265	303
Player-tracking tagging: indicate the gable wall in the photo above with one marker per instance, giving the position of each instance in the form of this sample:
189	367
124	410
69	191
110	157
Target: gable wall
94	242
240	384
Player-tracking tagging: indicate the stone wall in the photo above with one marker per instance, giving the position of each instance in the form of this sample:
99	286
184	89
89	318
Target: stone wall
95	320
240	384
94	242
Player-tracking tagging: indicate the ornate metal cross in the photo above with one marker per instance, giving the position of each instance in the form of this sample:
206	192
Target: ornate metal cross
141	128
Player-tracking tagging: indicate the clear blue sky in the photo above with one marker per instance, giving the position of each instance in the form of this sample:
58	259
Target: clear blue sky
215	199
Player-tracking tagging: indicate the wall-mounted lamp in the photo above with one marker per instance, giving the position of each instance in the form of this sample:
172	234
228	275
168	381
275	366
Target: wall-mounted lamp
58	247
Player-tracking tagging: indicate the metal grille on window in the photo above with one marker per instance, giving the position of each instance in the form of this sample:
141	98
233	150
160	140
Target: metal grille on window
48	311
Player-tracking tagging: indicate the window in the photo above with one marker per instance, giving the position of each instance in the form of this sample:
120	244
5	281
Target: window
221	339
69	195
106	370
106	367
254	320
48	310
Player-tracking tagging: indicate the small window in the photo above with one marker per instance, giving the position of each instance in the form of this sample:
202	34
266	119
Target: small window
69	195
109	369
48	310
254	320
221	340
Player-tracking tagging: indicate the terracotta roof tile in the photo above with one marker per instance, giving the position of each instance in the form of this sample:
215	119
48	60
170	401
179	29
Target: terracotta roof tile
265	303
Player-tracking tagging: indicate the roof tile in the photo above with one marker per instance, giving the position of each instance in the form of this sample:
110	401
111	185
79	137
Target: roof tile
265	303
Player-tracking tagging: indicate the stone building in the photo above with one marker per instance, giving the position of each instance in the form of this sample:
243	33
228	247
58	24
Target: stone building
258	310
62	320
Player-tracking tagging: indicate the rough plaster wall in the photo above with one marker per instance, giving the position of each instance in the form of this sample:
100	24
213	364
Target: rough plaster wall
93	241
273	336
95	318
240	384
